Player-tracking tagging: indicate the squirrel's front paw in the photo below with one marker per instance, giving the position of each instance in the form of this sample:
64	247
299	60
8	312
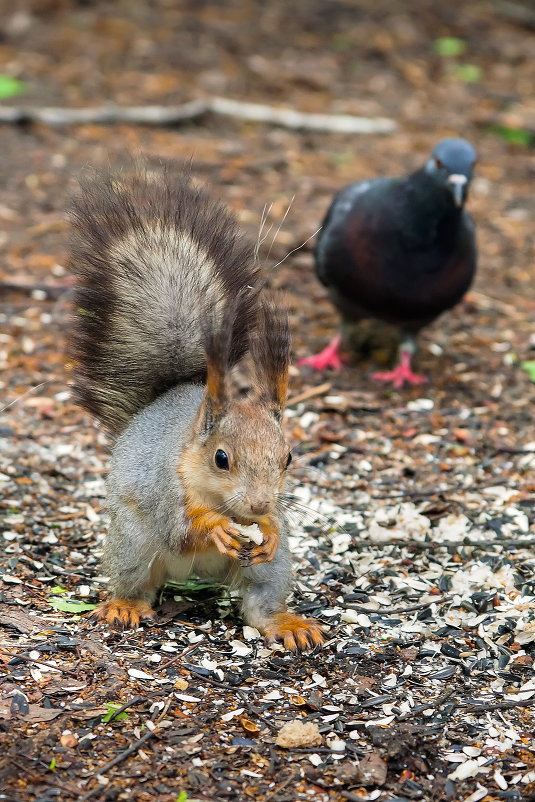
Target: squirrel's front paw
298	634
228	541
123	613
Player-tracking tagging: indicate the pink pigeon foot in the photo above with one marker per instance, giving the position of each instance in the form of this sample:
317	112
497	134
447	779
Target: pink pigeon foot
328	358
401	373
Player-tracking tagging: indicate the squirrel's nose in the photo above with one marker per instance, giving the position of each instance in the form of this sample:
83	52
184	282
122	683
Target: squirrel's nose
260	507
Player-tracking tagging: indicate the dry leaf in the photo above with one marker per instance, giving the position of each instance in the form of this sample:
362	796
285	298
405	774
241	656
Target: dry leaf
249	726
364	684
34	715
19	620
373	769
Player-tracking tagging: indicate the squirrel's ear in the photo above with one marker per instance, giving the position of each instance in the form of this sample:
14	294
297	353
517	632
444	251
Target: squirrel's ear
270	350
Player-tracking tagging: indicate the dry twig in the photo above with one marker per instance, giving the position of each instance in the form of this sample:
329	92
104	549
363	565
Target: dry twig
311	392
399	610
38	662
173	115
176	657
116	760
136	700
490	706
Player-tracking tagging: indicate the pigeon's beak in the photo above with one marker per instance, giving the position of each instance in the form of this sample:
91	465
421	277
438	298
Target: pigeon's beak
458	184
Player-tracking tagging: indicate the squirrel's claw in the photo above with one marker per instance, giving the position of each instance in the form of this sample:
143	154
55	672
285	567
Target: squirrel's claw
227	542
297	634
123	613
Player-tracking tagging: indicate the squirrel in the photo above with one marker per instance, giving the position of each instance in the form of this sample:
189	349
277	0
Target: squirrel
167	301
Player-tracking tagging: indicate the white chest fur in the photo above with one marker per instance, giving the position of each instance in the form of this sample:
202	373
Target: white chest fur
208	564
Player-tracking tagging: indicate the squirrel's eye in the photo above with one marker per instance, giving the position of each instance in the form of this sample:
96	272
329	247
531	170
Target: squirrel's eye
221	459
288	461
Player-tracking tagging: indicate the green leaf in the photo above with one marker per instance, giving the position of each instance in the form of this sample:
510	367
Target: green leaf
449	46
340	42
182	797
529	368
58	589
52	765
340	158
514	136
70	605
112	708
9	87
194	585
470	73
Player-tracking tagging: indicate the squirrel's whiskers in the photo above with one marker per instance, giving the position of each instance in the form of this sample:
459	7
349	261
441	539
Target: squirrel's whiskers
261	239
25	394
276	234
308	513
297	248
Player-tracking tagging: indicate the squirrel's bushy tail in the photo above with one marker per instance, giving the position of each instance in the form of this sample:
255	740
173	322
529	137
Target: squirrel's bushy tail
157	261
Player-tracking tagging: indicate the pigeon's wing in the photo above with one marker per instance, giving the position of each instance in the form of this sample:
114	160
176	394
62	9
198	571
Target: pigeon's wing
341	217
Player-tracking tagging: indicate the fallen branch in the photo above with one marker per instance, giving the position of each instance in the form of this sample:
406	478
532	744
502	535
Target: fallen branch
505	705
289	118
434	703
426	493
116	760
38	662
312	392
176	657
467	707
174	115
67	787
53	291
399	610
457	544
508	450
143	115
136	700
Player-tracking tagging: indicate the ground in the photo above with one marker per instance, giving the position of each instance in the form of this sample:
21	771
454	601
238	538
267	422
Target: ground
413	519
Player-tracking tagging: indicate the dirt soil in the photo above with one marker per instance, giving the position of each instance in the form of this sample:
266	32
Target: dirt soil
413	539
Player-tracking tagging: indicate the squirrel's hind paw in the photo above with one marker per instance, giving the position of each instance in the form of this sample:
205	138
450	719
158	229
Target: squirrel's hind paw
123	613
296	633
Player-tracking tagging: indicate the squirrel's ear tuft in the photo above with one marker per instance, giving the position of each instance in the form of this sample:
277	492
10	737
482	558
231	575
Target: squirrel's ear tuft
270	350
217	347
226	339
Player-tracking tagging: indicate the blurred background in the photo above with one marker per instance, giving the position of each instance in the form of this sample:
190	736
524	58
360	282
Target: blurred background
434	69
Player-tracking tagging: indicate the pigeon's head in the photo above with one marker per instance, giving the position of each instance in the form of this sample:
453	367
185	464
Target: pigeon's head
452	165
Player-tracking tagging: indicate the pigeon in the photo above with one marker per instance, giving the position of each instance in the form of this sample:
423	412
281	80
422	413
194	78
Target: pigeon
400	251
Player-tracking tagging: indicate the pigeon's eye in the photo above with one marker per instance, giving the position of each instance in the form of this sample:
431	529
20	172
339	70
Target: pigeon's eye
221	459
289	460
438	164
